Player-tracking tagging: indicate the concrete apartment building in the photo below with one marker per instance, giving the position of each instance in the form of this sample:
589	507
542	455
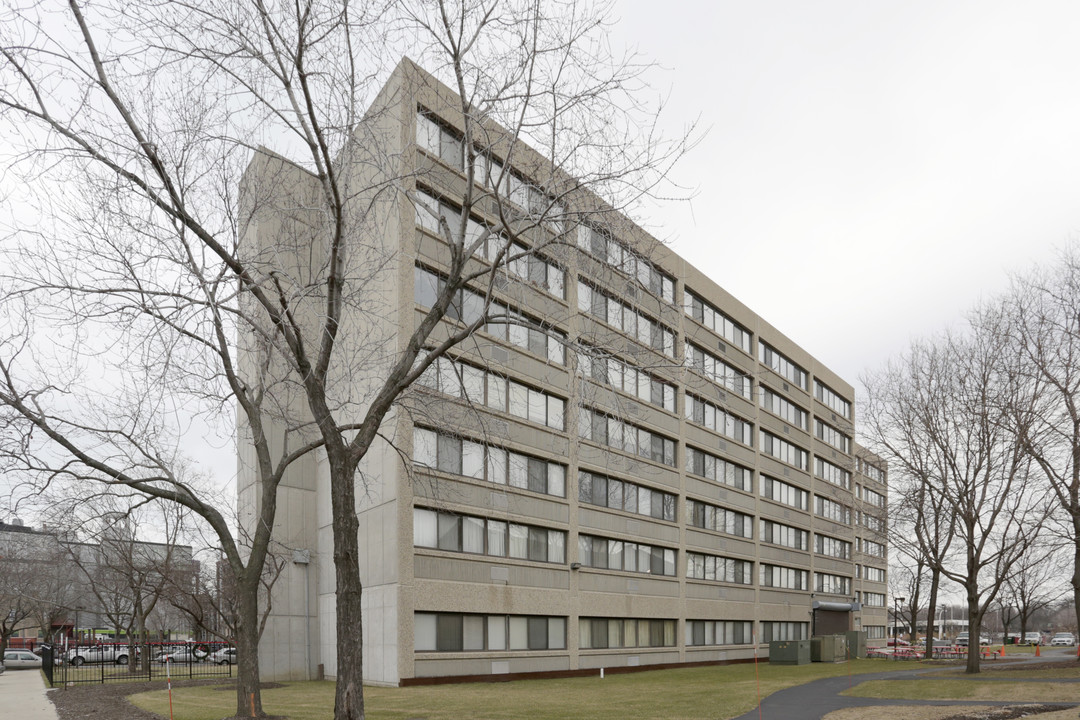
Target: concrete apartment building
660	476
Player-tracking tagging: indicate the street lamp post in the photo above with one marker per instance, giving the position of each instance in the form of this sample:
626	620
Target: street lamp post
896	625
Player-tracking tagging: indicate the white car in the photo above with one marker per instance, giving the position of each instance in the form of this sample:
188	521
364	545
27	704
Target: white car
18	659
224	656
1063	639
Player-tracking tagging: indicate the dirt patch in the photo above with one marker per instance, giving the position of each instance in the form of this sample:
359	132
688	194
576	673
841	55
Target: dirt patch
109	702
954	712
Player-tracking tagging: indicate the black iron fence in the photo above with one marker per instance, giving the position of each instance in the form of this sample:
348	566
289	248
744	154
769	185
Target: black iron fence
122	662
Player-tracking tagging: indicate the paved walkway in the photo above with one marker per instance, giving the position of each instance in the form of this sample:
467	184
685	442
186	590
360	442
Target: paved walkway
817	699
22	693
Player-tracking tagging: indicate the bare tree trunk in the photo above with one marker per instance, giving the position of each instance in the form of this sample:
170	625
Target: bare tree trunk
349	693
931	611
974	631
248	696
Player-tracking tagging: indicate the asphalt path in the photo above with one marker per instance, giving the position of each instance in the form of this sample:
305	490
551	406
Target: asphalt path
817	699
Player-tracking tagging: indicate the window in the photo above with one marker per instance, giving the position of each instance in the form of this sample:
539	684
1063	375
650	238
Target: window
833	400
711	517
710	467
620	435
828	434
778	405
482	536
716	321
609	554
833	547
873	599
782	366
494	464
784	451
779	534
458	632
498	393
704	413
784	631
775	576
603	368
871	471
874	498
833	584
871	548
721	569
832	473
873	574
531	335
783	492
718	371
607	309
871	522
831	510
874	632
719	632
605	633
616	254
618	494
438	141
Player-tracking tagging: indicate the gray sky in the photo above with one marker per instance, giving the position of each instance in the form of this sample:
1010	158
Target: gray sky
872	169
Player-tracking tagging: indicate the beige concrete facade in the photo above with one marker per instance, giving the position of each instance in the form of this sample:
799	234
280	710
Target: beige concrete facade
491	570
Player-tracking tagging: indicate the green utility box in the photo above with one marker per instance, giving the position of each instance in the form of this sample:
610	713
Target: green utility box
789	652
856	643
828	648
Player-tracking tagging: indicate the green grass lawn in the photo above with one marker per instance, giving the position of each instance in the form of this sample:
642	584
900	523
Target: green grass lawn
714	692
971	688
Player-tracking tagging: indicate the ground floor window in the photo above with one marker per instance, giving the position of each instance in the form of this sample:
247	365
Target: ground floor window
875	632
784	631
602	633
719	632
461	632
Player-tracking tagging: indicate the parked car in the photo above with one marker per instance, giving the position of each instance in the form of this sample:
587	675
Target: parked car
187	655
1033	638
224	656
18	659
1063	639
898	641
98	654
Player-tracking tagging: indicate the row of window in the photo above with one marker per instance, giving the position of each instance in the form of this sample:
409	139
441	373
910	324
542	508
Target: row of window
834	584
503	323
831	436
446	145
452	454
614	372
869	547
782	492
870	470
869	496
710	517
609	554
712	417
784	451
723	569
621	495
831	510
484	536
777	576
614	312
460	632
870	522
832	473
782	366
719	470
873	599
467	632
718	371
611	252
460	380
781	406
832	547
520	263
606	430
868	572
718	322
836	403
776	533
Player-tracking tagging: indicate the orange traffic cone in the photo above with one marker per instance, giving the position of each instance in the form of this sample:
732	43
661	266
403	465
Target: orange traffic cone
1037	653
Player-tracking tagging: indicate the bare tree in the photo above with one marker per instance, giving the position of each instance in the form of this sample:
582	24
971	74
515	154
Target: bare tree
964	399
156	256
1033	586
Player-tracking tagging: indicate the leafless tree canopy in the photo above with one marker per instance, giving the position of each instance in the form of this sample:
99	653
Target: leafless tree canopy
127	280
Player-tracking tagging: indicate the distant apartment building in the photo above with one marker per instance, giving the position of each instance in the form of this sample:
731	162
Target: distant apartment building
658	476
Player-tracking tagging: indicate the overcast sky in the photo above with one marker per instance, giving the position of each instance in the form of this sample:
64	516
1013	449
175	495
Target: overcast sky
871	169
